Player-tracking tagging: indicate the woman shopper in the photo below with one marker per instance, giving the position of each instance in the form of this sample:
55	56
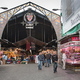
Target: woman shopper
55	61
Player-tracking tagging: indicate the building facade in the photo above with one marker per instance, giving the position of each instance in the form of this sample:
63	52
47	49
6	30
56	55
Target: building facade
71	16
70	41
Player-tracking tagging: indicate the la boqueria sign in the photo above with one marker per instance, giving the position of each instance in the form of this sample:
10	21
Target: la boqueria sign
73	21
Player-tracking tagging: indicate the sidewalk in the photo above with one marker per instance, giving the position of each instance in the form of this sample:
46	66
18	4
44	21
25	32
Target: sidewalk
31	72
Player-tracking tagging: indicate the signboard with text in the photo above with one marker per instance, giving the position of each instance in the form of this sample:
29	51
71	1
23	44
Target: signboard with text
73	21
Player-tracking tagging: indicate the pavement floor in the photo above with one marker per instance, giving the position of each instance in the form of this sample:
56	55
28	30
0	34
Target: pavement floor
31	72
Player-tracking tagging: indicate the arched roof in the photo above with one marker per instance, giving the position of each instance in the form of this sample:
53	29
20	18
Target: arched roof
54	18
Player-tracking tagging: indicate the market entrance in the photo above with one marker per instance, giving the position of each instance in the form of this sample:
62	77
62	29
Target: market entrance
46	29
6	16
42	32
54	18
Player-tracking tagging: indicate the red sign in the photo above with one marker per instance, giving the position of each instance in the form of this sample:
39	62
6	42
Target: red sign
75	38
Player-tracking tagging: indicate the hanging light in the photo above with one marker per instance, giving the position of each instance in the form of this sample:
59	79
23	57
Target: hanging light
3	7
56	9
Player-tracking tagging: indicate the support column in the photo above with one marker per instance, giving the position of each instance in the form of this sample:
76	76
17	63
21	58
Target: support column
79	35
0	46
29	32
59	53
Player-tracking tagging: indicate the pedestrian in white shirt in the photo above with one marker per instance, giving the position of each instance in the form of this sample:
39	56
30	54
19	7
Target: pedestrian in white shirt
64	60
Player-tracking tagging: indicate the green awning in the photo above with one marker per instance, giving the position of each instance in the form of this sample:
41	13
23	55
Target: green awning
73	30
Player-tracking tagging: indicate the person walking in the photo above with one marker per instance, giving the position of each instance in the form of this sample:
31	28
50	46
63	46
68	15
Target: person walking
40	60
47	59
55	61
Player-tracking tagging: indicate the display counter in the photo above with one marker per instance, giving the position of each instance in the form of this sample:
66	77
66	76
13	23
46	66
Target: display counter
73	61
74	67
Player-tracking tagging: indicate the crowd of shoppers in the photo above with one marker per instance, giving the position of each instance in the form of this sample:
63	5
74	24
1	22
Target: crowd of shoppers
46	57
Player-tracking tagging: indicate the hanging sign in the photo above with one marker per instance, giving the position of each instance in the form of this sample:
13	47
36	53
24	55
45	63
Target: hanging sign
29	18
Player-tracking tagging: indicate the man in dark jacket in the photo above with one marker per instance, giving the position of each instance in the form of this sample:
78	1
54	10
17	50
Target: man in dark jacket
40	59
48	56
54	60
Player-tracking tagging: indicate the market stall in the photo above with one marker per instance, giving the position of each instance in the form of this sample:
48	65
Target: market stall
71	46
13	55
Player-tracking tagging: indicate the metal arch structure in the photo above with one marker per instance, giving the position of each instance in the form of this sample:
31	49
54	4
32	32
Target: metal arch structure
54	18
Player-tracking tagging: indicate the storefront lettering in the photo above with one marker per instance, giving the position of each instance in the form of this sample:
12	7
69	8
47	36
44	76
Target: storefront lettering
75	38
75	20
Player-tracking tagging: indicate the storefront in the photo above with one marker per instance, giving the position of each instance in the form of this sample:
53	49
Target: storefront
71	46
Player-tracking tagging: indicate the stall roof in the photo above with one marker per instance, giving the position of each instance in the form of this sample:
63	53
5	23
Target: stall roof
30	39
7	43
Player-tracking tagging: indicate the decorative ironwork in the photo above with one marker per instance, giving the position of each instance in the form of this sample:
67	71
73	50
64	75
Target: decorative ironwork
54	18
